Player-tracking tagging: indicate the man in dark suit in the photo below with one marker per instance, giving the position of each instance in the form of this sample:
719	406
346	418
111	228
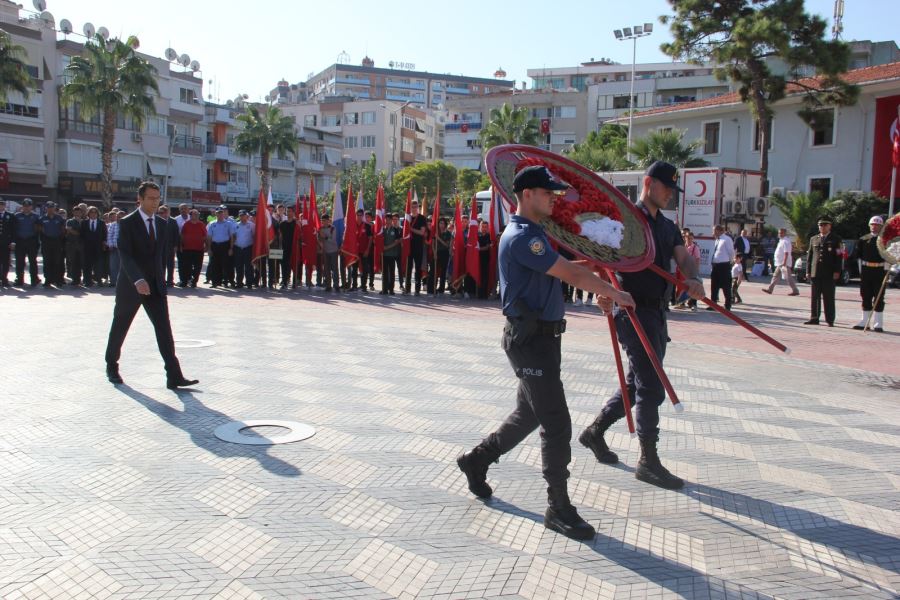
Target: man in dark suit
824	261
174	243
143	247
93	236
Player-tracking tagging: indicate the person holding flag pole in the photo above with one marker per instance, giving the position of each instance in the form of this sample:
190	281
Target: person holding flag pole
349	246
404	244
459	250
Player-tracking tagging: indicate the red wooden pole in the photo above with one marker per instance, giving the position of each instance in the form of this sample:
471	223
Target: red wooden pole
626	400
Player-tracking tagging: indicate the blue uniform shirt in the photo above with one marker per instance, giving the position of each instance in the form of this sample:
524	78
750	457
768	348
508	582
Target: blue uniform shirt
220	231
243	234
646	284
53	227
525	255
25	226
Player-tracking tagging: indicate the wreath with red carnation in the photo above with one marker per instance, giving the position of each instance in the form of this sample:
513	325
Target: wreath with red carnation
889	240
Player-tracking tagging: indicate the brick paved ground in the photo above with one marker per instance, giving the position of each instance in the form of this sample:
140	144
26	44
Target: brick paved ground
125	493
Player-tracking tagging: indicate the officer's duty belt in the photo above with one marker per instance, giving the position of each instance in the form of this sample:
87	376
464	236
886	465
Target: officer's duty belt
657	303
545	327
872	264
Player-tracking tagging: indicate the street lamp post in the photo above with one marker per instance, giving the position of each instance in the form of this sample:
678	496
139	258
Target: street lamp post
632	33
393	111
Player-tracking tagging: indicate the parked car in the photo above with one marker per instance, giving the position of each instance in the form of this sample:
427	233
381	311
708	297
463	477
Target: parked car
849	270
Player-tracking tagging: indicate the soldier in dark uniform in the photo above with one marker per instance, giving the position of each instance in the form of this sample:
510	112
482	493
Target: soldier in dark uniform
6	242
25	237
530	271
823	269
74	247
53	231
650	293
871	275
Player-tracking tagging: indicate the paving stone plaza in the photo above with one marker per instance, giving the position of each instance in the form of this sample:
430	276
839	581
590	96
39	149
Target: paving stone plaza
124	492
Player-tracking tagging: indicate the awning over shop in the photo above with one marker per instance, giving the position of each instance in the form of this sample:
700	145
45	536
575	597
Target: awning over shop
157	166
333	156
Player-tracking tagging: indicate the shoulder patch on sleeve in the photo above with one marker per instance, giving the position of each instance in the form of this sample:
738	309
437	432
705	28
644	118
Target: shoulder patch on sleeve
537	246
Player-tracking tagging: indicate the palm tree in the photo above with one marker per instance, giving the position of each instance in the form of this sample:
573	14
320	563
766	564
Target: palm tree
508	125
110	80
13	70
801	211
264	134
666	145
601	152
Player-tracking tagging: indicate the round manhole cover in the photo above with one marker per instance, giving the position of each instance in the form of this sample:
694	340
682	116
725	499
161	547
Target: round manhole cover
264	432
194	343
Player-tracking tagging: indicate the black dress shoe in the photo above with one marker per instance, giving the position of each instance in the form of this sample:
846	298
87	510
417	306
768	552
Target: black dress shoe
112	374
811	322
180	383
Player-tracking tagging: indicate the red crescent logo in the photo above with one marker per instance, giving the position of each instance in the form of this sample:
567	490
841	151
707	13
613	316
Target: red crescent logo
702	185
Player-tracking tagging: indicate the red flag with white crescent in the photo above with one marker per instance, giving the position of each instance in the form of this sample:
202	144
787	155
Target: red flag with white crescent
473	257
379	227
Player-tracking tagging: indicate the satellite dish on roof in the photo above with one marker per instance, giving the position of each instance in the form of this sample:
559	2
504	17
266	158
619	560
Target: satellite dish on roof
171	54
47	18
184	60
104	33
89	30
195	66
39	5
65	26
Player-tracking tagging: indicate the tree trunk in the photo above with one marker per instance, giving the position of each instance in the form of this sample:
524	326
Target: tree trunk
764	121
264	172
107	139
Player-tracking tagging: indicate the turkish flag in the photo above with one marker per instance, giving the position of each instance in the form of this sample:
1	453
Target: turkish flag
459	247
884	155
545	126
379	228
473	256
464	128
264	231
296	246
4	176
350	246
406	238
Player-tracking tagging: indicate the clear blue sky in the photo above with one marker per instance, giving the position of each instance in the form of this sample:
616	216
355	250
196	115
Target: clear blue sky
246	47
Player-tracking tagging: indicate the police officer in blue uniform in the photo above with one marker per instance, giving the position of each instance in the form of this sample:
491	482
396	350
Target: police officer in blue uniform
531	294
53	231
25	236
650	292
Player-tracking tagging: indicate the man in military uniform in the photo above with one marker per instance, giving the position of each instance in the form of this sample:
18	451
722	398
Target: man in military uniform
530	271
25	237
871	275
53	231
823	269
6	242
650	293
74	247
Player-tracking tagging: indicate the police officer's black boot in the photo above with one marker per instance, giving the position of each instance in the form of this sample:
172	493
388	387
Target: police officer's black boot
562	517
475	465
650	470
592	438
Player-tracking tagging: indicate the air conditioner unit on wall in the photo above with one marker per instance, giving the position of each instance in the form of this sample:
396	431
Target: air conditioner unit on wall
759	206
735	207
137	136
777	191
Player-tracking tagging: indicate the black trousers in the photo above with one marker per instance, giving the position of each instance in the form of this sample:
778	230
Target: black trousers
540	402
218	262
367	270
26	248
74	260
822	292
870	279
645	389
441	273
93	270
4	263
243	268
128	301
286	270
52	251
170	267
720	279
413	268
389	266
485	262
182	268
193	264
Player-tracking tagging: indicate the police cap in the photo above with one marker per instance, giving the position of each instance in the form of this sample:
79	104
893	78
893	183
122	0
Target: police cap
537	177
666	173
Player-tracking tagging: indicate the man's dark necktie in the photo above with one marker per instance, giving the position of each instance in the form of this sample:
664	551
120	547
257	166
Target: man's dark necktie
152	232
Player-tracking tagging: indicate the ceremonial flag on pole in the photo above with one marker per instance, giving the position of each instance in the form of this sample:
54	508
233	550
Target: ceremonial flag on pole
296	252
314	207
473	259
496	225
459	247
337	216
406	238
350	247
379	227
263	233
360	204
309	235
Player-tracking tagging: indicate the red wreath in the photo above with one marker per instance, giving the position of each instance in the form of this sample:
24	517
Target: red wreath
590	198
891	230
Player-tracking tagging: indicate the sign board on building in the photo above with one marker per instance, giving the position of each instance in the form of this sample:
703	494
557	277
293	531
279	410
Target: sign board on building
698	206
202	196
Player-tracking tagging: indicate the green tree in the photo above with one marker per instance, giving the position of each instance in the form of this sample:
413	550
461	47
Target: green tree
266	133
602	150
424	176
667	145
468	181
801	211
14	75
111	81
851	212
508	125
367	177
743	37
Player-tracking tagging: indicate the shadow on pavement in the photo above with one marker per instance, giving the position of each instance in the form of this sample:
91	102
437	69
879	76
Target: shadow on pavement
198	420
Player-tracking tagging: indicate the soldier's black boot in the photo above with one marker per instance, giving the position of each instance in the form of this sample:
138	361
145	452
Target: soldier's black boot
562	517
650	470
475	465
592	438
